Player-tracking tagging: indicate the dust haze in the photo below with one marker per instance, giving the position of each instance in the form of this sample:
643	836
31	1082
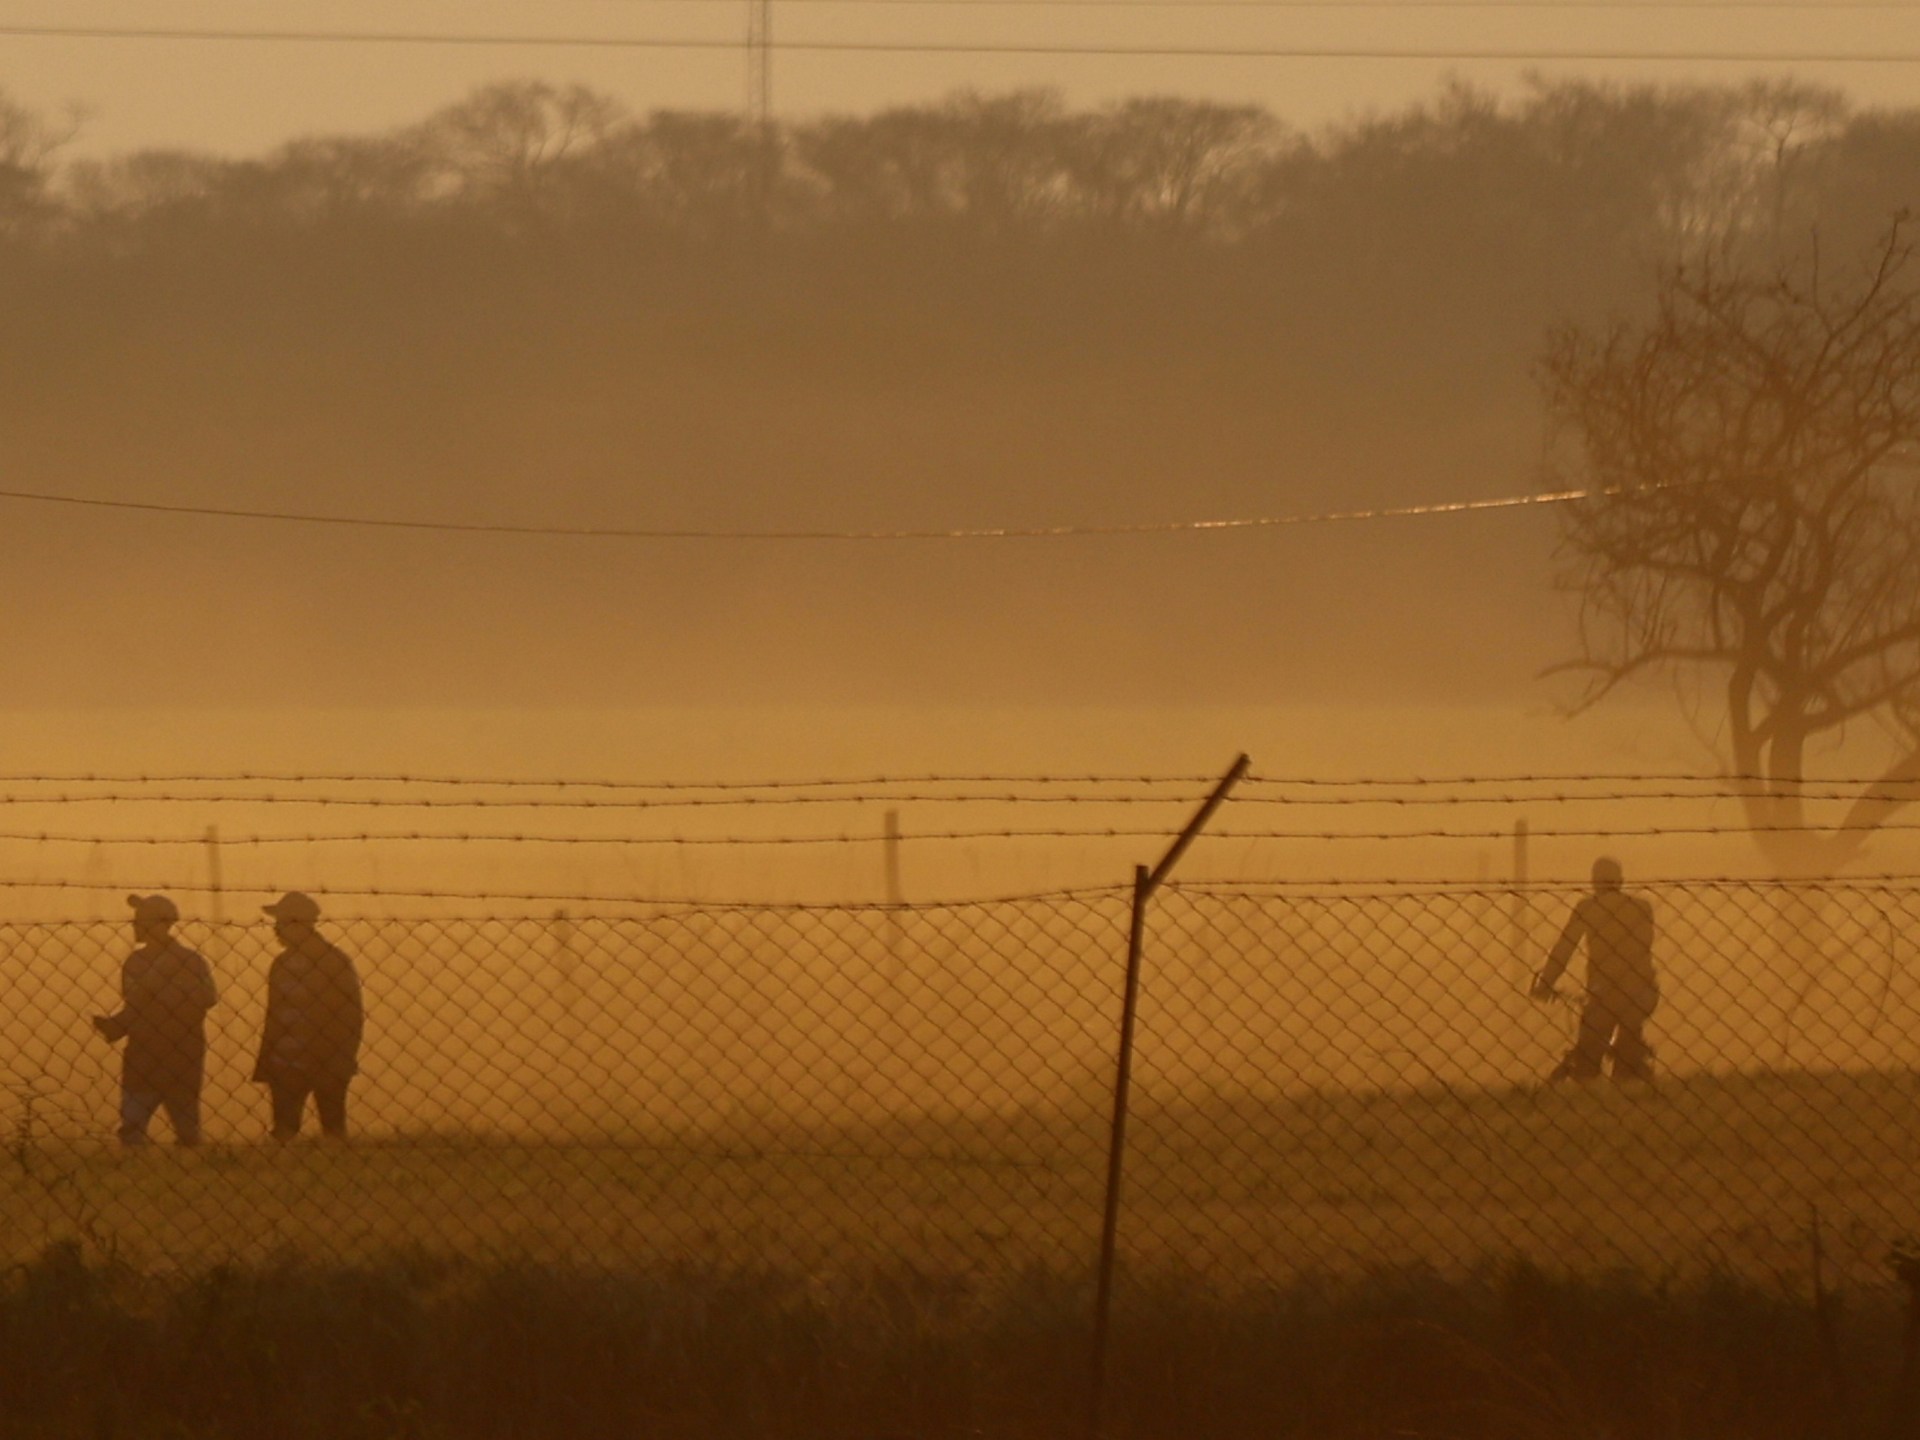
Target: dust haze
537	307
534	308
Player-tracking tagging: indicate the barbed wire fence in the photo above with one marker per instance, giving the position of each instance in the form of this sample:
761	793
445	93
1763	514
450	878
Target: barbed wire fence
1326	1072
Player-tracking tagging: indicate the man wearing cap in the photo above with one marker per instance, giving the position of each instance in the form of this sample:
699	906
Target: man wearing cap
1622	989
311	1041
165	991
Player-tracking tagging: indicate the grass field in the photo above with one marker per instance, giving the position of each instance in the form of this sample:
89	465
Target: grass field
1594	1263
1507	1265
1682	1179
415	1349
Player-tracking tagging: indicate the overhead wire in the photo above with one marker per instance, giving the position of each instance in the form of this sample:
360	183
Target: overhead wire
998	532
918	47
1361	6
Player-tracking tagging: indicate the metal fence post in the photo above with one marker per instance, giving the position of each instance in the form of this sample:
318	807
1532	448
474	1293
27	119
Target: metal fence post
1116	1149
216	910
1145	882
896	897
1520	965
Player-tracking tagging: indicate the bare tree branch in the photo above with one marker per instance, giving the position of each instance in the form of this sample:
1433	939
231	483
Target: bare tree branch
1742	520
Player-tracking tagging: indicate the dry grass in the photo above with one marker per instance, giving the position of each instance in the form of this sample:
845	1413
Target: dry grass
415	1347
1508	1264
1711	1174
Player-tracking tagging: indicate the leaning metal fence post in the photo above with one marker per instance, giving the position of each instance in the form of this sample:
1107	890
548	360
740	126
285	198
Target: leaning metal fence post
1145	882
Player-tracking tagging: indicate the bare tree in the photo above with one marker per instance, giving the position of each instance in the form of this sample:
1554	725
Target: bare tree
1752	522
509	143
28	144
1176	166
991	164
146	184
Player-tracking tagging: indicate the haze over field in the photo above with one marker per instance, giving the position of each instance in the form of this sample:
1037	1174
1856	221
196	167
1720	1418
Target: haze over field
540	306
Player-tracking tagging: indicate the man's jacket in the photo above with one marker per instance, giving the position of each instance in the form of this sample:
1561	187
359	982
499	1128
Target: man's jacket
1618	929
314	1016
165	991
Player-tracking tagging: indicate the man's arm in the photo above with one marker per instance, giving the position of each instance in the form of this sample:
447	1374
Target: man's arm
205	994
270	1023
116	1025
1571	934
347	1014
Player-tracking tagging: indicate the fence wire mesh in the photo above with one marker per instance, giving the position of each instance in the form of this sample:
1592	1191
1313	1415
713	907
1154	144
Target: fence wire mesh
1323	1083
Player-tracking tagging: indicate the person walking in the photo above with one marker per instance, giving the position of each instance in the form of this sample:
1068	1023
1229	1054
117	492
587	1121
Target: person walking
1622	988
310	1043
165	993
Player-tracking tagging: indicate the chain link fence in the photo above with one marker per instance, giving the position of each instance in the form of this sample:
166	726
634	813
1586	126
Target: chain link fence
1323	1083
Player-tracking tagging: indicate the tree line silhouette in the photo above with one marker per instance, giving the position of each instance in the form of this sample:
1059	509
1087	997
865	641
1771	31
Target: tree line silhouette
1468	214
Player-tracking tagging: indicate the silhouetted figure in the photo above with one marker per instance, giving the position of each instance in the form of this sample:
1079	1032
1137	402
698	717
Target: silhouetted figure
311	1041
165	992
1622	989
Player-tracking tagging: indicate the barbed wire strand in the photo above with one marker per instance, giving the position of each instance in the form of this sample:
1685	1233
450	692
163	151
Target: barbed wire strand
1597	777
246	777
202	887
1279	888
43	837
879	783
1374	886
1890	790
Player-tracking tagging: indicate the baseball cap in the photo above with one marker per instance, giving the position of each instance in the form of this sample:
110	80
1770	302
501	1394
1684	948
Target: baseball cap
294	905
153	907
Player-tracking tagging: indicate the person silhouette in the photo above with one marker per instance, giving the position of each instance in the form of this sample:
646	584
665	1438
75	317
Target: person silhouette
165	991
1622	987
310	1043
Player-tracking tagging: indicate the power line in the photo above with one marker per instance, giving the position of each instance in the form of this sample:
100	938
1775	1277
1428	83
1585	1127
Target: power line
1391	7
1544	7
888	47
1041	532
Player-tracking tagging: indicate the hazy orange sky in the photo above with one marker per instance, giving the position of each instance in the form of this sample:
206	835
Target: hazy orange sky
244	96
